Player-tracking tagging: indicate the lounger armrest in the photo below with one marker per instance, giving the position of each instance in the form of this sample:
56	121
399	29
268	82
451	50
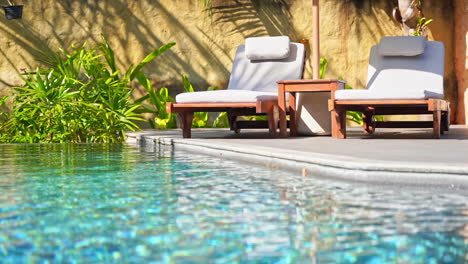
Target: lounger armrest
169	107
313	81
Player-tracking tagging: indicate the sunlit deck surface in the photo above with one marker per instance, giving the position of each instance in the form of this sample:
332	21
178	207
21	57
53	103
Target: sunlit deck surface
390	156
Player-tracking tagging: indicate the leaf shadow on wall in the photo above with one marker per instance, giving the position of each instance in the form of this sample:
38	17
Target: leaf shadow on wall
49	25
254	18
59	24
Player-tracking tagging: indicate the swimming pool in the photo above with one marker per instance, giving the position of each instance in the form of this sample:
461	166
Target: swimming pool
119	204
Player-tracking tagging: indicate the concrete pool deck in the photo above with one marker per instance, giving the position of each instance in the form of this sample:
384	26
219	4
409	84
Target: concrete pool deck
404	156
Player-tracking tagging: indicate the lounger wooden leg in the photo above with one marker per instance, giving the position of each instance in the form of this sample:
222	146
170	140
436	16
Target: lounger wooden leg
446	120
232	122
369	127
369	124
436	123
338	116
442	123
186	119
282	111
292	115
273	121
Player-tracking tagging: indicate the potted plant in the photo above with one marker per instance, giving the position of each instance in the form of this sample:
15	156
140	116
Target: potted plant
13	11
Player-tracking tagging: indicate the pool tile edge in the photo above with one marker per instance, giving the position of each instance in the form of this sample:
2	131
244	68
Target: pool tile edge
329	166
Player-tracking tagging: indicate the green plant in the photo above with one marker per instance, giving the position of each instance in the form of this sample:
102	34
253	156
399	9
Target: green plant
355	117
159	98
422	22
3	114
80	97
221	121
323	67
157	106
421	26
200	119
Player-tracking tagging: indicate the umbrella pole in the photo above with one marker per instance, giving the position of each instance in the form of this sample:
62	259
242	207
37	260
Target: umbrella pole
315	39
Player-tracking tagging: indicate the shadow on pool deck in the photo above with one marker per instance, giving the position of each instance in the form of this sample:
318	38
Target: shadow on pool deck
407	151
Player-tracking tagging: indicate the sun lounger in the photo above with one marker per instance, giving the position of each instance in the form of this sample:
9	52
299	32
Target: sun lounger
252	88
405	76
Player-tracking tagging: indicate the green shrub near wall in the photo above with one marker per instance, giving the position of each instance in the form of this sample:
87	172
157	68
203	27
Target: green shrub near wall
80	97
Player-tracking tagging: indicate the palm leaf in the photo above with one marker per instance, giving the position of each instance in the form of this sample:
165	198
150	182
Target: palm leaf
149	58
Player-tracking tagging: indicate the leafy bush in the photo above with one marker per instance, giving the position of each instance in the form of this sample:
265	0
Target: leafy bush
80	97
157	100
200	119
157	106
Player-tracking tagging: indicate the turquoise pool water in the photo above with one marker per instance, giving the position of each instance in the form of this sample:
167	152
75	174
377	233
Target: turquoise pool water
117	204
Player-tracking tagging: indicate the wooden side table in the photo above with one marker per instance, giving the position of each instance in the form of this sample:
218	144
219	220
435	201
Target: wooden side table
295	86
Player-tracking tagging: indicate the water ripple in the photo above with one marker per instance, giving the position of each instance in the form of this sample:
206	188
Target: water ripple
115	204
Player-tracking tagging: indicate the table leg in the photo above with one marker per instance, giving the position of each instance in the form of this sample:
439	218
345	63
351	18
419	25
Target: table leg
338	115
282	110
292	114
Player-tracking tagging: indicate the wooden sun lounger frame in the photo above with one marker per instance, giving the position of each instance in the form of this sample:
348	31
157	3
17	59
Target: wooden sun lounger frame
186	111
440	110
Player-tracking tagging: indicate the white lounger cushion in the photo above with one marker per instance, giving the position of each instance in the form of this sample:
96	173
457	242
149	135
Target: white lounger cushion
267	48
263	75
365	94
402	46
251	80
225	96
395	78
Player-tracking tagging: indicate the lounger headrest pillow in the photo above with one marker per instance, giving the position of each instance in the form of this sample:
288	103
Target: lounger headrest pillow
402	46
267	48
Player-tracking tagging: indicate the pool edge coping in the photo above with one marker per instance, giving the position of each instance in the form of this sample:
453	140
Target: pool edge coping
328	166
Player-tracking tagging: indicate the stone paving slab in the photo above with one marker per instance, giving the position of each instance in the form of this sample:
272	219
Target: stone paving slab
392	156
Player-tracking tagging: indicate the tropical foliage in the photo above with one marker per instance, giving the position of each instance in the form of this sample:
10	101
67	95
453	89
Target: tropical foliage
422	22
80	97
421	26
155	103
157	106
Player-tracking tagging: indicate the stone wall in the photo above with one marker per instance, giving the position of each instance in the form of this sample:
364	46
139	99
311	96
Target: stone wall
206	44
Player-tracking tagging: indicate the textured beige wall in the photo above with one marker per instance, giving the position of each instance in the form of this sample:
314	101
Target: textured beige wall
205	46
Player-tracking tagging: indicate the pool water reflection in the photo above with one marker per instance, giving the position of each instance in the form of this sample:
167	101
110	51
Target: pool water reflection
119	204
